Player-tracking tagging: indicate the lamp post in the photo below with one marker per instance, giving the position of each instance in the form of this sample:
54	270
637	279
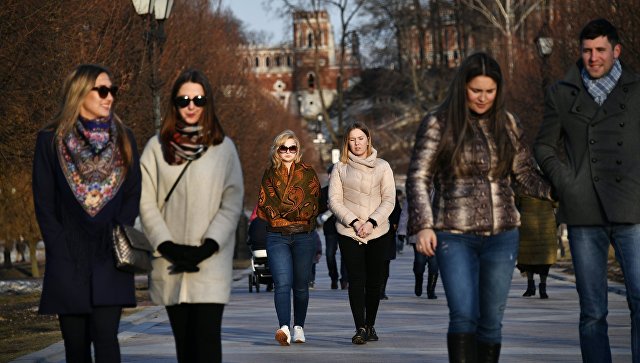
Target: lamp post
319	135
155	12
544	44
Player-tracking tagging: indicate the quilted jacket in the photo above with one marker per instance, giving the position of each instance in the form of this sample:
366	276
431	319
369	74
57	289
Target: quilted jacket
478	202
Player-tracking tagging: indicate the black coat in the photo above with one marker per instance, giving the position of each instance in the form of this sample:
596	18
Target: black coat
599	179
80	269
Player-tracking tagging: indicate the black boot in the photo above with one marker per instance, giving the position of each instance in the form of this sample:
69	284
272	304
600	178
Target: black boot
462	347
418	288
431	286
488	352
531	289
543	290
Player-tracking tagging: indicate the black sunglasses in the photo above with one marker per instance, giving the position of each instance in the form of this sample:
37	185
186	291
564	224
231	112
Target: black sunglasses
103	91
292	149
184	101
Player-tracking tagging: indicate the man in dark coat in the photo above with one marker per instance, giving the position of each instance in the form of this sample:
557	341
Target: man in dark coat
593	115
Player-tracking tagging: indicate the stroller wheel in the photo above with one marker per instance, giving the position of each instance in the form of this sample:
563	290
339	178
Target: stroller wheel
250	283
257	284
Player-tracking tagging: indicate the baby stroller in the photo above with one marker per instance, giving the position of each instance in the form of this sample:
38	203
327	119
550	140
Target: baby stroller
259	265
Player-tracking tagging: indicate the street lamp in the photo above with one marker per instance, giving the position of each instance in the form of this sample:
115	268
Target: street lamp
155	12
544	44
319	135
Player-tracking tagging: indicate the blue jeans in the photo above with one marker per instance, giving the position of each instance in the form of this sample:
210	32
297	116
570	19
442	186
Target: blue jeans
420	261
476	274
590	251
290	259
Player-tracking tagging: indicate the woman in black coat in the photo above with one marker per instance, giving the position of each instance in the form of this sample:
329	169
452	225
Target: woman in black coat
86	179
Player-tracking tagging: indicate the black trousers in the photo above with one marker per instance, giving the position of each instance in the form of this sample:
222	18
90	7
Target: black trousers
100	328
197	332
365	268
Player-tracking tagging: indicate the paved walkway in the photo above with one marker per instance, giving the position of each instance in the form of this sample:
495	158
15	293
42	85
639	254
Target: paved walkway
411	329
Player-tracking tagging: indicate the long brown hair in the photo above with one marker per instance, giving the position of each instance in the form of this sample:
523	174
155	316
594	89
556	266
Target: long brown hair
75	89
344	157
456	115
212	132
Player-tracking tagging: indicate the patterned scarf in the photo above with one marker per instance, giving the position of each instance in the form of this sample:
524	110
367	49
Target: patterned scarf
600	88
92	163
186	143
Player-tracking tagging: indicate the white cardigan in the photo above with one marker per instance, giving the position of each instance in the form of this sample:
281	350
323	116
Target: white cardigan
362	189
206	203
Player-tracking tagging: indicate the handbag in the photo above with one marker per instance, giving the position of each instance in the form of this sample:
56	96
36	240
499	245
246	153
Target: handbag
132	249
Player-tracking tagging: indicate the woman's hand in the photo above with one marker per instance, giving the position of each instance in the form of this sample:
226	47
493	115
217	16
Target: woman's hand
365	229
426	242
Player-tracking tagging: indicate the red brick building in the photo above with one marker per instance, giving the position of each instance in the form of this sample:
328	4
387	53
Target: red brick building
295	73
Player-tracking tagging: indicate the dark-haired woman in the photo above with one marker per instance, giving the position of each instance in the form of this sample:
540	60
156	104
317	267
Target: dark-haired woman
191	201
362	195
86	179
469	151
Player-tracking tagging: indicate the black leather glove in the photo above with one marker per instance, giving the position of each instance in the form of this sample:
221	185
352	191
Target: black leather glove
180	256
204	251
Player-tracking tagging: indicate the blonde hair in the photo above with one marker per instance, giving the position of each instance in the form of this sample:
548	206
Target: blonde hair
278	141
344	157
75	89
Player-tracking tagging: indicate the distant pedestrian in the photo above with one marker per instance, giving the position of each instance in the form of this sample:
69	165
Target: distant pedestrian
288	201
86	179
362	195
331	241
420	261
21	248
538	242
394	218
192	193
588	146
469	152
316	259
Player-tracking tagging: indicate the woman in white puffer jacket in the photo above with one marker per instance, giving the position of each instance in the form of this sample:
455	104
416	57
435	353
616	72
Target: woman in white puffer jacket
362	195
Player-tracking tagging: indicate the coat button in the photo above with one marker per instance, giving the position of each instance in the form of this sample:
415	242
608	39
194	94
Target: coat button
619	143
593	160
621	124
622	106
625	89
618	179
592	141
574	92
619	162
596	178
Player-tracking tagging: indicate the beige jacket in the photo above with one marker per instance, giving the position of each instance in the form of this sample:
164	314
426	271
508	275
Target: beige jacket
362	189
206	203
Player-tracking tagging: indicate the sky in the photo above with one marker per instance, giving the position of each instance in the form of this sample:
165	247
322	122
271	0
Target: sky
257	18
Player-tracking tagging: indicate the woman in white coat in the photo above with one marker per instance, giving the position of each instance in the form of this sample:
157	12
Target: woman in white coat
362	194
192	193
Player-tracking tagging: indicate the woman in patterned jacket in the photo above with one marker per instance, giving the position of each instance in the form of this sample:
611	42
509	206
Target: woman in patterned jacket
289	203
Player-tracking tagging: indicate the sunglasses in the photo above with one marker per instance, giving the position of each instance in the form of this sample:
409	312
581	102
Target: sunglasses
103	91
184	101
292	149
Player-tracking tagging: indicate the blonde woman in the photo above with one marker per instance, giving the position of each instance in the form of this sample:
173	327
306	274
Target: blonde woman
288	201
362	195
193	228
86	179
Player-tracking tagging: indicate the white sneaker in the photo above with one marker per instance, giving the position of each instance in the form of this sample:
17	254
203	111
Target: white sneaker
298	334
283	336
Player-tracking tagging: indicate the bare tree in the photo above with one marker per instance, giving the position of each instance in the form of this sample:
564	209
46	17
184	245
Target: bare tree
506	16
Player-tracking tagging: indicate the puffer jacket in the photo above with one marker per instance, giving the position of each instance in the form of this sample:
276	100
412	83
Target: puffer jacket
476	204
362	189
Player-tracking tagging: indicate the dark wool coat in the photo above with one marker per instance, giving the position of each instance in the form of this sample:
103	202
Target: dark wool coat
80	268
599	180
538	232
